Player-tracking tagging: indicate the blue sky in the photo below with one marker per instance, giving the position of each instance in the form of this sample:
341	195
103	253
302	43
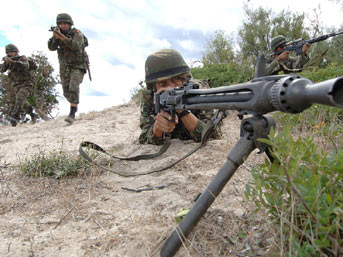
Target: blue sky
123	33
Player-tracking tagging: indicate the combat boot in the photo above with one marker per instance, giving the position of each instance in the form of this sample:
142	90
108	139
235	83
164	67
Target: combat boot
33	118
14	119
13	122
71	117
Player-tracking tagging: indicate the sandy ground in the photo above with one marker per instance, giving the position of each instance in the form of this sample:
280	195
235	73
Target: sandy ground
91	215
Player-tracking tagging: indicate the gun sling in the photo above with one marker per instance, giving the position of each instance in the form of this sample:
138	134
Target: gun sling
210	125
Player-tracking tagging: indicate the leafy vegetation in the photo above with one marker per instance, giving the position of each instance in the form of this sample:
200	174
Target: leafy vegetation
57	164
302	191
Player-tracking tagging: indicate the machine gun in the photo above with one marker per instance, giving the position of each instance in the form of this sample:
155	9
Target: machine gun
297	45
262	95
164	105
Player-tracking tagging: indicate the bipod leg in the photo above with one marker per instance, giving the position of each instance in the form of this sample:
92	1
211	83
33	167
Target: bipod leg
251	129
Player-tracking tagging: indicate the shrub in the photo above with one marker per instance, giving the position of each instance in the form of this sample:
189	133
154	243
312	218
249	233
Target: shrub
302	191
55	164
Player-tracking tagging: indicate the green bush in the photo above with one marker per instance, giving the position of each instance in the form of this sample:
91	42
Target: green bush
223	74
302	191
55	164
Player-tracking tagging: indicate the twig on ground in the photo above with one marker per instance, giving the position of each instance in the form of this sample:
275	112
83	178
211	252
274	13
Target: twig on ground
59	223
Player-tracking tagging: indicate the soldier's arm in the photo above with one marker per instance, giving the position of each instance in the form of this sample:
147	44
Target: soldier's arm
147	120
300	61
23	62
75	43
3	67
53	44
272	67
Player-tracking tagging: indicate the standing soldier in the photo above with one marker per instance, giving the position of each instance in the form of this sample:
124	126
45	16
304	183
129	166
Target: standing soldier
70	44
282	61
21	80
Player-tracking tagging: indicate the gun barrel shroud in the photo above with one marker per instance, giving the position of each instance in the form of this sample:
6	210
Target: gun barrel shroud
291	94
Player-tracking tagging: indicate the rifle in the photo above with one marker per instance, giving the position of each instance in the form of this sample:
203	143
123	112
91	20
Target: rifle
53	28
297	45
13	58
262	95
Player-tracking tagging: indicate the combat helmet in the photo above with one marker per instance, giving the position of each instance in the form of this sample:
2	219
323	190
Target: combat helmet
11	48
64	17
164	64
277	41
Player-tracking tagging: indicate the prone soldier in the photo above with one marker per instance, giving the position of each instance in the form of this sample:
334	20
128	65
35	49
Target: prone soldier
166	69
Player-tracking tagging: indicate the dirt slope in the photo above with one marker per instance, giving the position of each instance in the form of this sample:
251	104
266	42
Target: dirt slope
91	215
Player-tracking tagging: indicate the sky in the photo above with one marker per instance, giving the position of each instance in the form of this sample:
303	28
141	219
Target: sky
122	33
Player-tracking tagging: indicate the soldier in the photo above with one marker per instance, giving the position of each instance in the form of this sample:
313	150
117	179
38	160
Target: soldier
70	44
283	62
166	69
21	80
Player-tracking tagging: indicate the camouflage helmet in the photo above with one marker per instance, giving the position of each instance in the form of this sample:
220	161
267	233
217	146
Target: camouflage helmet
11	48
64	17
277	41
164	64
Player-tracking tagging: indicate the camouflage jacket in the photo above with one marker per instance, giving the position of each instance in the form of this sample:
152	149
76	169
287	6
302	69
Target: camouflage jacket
71	51
18	71
147	120
273	67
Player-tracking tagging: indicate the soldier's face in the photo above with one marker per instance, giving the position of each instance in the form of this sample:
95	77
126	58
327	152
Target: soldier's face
168	84
64	26
280	48
12	54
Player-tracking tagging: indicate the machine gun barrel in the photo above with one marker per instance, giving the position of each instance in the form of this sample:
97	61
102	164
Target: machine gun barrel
291	94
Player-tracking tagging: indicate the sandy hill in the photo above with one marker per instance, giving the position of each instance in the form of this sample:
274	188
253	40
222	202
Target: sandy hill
91	215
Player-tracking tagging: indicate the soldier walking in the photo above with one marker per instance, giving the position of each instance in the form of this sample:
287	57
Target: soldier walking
21	80
70	44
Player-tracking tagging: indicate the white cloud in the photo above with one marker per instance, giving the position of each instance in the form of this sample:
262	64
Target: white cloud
123	33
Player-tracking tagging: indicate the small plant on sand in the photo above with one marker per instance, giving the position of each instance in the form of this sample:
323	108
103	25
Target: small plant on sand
57	163
302	191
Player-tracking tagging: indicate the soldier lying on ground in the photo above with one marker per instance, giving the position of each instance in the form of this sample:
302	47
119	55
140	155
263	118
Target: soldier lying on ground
166	69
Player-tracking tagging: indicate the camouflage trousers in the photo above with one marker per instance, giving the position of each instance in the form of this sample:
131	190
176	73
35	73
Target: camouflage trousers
21	95
71	80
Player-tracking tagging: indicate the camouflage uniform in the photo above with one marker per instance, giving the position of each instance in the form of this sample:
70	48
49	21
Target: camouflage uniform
273	66
22	82
147	120
72	59
292	63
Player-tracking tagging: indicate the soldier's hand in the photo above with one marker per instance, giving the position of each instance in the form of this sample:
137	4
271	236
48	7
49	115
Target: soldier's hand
57	34
8	60
305	48
164	123
283	56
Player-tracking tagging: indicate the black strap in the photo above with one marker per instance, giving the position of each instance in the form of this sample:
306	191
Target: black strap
204	137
